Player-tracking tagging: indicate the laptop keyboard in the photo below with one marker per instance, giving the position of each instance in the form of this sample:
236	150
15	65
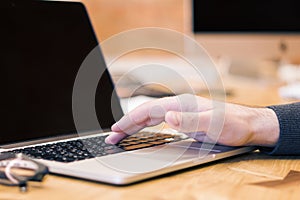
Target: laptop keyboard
81	149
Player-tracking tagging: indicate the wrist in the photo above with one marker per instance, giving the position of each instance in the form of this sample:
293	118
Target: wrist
264	127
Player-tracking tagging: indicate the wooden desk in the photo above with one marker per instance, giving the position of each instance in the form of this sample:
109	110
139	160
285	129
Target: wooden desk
232	178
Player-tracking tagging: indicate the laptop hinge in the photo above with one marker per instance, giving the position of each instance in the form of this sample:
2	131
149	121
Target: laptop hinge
45	140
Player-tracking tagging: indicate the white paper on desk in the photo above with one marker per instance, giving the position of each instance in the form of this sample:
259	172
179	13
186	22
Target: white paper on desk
291	91
130	103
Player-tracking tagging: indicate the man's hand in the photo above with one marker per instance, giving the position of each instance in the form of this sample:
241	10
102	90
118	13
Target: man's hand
203	119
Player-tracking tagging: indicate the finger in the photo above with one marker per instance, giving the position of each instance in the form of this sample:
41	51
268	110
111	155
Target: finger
189	122
155	110
150	113
115	137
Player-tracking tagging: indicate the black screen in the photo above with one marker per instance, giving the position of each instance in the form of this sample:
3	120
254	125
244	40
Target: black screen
43	45
246	16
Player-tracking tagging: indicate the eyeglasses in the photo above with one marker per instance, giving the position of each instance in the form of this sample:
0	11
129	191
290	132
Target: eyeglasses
18	169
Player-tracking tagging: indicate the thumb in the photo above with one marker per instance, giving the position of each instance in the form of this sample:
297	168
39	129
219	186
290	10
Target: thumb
188	122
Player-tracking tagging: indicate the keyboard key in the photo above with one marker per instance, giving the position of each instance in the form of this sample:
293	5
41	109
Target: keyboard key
138	146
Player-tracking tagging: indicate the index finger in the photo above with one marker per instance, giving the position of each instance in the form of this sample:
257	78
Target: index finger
147	114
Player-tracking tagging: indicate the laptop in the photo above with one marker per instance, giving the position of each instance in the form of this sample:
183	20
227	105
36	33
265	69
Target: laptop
43	46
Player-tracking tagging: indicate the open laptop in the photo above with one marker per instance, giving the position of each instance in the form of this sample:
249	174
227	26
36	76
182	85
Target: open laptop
43	45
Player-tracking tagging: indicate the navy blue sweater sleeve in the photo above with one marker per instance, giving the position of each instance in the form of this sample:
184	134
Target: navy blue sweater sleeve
289	123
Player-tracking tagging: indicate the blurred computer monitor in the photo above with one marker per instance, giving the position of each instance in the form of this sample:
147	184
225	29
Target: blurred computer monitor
248	30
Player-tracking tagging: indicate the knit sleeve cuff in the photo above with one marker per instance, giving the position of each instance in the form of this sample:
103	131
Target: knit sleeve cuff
289	123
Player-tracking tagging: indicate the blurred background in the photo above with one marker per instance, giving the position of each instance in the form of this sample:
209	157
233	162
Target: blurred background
258	40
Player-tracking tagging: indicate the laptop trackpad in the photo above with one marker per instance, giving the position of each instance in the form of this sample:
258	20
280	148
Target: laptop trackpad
156	158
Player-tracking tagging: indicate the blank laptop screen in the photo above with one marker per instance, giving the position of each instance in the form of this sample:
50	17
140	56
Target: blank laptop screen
43	45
